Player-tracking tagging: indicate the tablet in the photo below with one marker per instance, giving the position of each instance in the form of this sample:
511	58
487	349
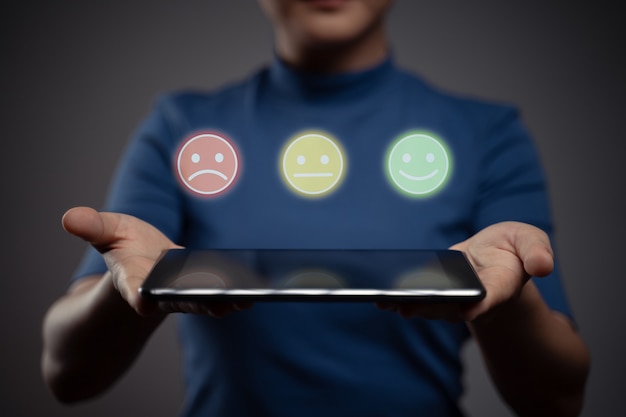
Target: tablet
230	275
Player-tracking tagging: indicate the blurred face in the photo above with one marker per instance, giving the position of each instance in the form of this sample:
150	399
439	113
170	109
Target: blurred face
316	24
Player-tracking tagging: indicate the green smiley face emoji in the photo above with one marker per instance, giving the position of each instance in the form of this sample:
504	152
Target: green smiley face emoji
417	164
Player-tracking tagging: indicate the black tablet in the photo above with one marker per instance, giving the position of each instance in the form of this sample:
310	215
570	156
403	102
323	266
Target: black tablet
313	275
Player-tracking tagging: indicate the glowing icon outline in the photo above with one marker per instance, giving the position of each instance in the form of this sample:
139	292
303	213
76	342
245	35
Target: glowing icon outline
290	177
414	185
218	157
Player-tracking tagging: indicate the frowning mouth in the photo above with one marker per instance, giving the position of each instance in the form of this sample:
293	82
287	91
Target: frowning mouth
207	171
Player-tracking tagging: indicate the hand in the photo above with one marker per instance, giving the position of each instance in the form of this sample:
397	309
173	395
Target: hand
504	256
130	248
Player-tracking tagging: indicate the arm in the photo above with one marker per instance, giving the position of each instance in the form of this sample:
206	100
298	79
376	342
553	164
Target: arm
535	357
91	336
93	333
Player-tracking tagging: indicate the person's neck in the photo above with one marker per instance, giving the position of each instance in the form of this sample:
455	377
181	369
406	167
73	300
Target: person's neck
331	59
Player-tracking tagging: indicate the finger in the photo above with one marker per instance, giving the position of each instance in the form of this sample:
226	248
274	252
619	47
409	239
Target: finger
473	311
219	310
82	222
534	249
212	309
502	283
241	306
146	308
224	309
91	226
385	305
432	311
186	307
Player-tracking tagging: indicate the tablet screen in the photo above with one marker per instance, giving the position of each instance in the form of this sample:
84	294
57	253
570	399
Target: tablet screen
274	275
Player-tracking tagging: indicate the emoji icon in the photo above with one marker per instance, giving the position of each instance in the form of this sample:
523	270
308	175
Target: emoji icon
207	164
201	279
422	278
318	279
417	164
313	164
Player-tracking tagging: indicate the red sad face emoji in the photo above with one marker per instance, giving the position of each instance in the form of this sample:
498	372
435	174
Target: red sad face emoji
207	164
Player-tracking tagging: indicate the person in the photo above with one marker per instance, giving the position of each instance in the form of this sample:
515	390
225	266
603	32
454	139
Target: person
333	77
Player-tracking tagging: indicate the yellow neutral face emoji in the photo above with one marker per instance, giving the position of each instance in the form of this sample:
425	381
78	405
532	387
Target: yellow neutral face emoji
312	164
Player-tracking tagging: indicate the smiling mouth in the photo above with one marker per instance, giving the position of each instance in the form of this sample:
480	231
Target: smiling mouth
207	171
312	174
425	177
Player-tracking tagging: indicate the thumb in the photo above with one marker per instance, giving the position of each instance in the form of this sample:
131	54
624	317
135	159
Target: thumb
89	225
535	250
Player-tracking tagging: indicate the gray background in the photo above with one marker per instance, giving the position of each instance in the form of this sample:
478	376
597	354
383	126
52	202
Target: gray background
78	76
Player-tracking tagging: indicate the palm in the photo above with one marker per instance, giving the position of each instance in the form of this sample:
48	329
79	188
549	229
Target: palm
130	248
504	256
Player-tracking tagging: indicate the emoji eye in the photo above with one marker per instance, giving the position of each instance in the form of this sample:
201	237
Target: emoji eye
301	160
430	157
324	159
195	158
219	157
406	158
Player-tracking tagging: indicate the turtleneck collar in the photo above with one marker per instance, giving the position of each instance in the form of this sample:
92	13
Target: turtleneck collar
317	87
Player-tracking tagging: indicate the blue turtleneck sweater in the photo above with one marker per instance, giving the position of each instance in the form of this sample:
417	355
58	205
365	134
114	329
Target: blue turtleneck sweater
333	359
